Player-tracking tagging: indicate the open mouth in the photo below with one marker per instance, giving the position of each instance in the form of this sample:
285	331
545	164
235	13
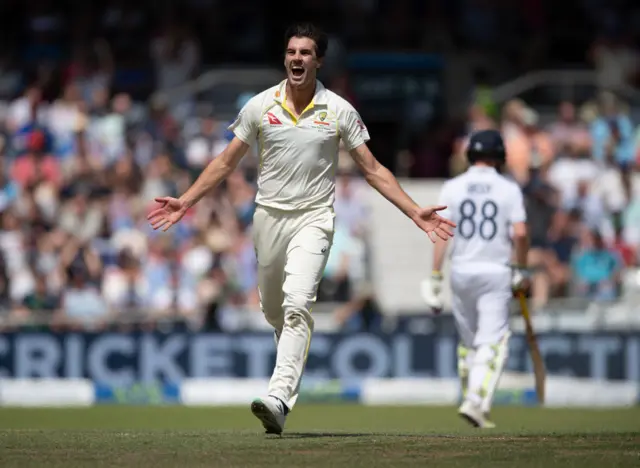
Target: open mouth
297	71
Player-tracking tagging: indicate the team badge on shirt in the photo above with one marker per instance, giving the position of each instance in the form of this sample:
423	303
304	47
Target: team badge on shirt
321	120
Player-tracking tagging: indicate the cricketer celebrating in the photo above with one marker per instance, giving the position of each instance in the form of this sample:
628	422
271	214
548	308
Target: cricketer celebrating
489	211
297	126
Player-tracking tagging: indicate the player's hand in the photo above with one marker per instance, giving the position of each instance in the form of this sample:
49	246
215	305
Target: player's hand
431	290
520	280
170	213
433	224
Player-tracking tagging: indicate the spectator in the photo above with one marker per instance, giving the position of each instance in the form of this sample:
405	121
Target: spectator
631	224
572	167
527	145
612	190
206	145
9	191
511	118
7	304
14	246
344	272
615	60
596	269
557	261
36	165
612	130
567	130
64	119
46	260
351	213
108	127
32	133
41	300
171	291
82	304
22	111
123	286
240	267
242	197
626	252
81	217
545	223
160	179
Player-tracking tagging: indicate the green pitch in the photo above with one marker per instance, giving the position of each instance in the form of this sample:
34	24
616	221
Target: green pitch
316	436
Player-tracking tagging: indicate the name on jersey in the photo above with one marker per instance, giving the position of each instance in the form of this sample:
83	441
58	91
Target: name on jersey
479	188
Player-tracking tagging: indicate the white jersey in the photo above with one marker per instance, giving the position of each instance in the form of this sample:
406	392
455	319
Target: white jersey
484	204
298	156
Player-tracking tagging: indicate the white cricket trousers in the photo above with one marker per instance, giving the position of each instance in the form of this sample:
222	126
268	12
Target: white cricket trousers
292	248
480	303
481	297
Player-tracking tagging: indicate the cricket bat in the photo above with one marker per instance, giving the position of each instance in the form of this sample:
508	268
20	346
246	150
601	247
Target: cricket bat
536	357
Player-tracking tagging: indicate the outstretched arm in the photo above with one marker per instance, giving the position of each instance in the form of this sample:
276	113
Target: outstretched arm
215	172
381	179
173	209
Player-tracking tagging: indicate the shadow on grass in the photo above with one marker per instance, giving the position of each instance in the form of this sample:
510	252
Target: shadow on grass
348	435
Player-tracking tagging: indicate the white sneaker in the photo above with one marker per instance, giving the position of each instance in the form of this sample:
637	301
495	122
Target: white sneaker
473	414
271	412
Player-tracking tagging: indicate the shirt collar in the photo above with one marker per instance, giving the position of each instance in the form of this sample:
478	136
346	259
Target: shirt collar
482	169
320	97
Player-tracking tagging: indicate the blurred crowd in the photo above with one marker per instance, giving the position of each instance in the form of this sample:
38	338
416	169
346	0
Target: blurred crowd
132	40
580	173
84	152
79	177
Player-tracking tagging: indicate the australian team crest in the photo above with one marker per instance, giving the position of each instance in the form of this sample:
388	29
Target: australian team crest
320	121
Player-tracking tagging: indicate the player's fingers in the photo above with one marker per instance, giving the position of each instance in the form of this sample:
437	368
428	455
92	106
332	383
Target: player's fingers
162	199
167	226
448	222
438	208
155	214
432	236
444	228
442	234
159	223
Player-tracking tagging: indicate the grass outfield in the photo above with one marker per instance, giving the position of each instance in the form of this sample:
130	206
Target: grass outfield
316	436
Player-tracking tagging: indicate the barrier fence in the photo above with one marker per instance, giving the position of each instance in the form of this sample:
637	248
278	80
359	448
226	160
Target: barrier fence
222	369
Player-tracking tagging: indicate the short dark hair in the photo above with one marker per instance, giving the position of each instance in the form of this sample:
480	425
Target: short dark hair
312	32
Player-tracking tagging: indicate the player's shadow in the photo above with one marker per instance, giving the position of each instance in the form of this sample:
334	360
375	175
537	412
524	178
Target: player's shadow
343	435
320	435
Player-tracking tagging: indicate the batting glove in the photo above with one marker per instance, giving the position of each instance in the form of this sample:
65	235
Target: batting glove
520	278
432	291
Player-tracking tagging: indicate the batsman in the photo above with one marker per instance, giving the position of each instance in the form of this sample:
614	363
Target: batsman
491	221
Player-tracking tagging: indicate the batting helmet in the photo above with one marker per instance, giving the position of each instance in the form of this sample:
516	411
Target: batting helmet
486	145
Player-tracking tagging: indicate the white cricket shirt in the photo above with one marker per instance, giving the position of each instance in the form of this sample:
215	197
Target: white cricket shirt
484	204
298	156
